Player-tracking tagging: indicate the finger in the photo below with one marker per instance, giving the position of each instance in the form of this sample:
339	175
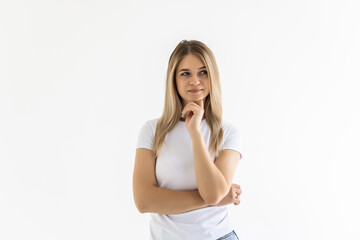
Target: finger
190	111
188	108
236	202
238	192
198	104
189	116
237	188
182	112
185	113
185	109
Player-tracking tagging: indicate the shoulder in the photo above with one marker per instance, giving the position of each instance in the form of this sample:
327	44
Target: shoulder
148	128
150	124
146	134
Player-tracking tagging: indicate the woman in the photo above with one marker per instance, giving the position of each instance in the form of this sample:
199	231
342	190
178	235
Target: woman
186	159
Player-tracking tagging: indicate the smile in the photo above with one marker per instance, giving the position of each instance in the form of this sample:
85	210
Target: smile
194	91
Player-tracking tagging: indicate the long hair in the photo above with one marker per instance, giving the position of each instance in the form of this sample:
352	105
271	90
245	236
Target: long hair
173	105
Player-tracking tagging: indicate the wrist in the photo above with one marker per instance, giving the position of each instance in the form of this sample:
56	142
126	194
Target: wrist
196	134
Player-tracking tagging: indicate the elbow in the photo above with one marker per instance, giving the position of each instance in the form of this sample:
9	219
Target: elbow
142	210
214	198
140	202
142	199
140	206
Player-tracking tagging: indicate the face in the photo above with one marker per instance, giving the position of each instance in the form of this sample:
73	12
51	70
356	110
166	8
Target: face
191	73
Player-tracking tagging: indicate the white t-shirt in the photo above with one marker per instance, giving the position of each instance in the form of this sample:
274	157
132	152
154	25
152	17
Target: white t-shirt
175	170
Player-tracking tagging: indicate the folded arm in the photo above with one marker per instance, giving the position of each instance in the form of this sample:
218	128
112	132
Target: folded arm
149	197
213	179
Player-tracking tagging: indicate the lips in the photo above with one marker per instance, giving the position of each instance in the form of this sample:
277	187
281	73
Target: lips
195	90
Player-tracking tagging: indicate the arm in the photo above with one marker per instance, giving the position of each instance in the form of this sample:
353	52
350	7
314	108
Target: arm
149	197
167	201
213	179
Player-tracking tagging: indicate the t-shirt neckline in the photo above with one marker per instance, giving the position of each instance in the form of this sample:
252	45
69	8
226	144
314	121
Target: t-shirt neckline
201	120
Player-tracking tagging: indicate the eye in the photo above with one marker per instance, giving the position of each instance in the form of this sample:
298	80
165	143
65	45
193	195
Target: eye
183	74
205	72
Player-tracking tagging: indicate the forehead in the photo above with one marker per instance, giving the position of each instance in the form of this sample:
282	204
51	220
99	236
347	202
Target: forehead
190	61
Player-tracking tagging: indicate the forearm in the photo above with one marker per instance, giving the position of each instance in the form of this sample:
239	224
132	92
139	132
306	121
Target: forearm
211	182
168	201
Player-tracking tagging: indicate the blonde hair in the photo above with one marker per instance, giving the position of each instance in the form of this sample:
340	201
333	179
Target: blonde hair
173	105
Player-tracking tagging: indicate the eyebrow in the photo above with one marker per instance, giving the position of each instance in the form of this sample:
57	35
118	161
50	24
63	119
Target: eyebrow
185	69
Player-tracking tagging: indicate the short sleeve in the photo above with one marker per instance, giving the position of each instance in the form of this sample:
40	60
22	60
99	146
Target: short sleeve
146	135
232	138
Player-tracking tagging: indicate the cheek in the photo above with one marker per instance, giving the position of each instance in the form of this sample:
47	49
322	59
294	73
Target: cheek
180	87
207	85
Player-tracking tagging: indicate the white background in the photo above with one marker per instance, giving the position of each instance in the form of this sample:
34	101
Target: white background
79	78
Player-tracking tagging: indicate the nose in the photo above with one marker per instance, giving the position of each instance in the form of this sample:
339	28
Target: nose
194	81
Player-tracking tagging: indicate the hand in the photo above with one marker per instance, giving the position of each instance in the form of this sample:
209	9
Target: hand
232	196
193	113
